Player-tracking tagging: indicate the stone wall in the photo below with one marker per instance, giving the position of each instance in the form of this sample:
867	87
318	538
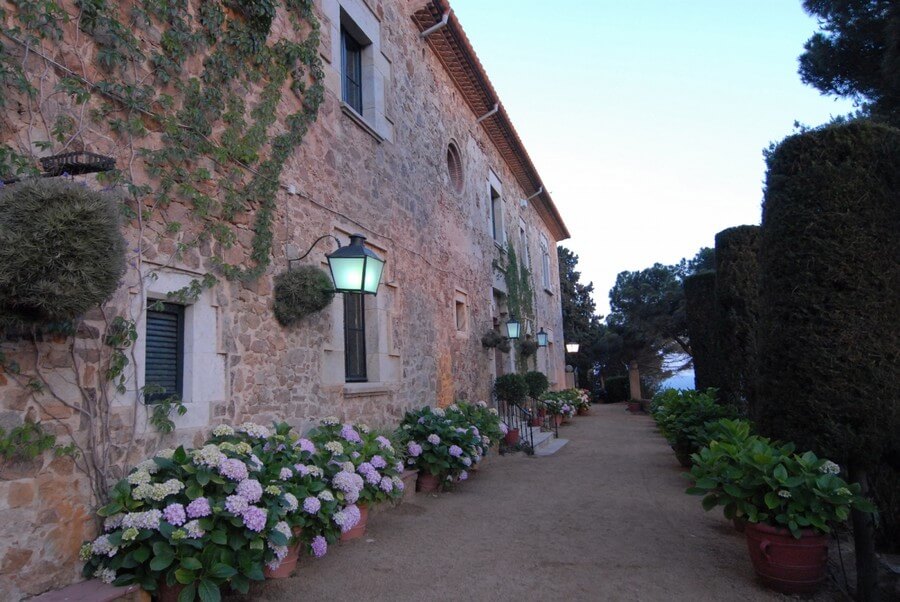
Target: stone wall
387	178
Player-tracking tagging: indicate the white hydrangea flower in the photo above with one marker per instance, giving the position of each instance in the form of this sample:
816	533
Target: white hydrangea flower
326	496
784	493
166	453
148	466
334	447
255	430
348	467
830	467
330	421
106	575
139	477
223	430
438	411
363	428
494	411
209	455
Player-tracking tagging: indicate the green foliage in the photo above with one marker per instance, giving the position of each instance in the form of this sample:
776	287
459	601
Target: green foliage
431	434
161	412
511	387
527	347
537	383
829	302
768	483
61	251
685	416
737	298
581	323
856	54
28	441
300	292
702	323
494	340
617	389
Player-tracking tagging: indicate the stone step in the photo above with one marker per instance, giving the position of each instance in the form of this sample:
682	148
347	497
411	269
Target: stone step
540	438
553	446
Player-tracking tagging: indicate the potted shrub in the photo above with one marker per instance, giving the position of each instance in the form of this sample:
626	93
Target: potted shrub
494	340
682	416
363	468
441	444
191	521
537	383
790	502
511	388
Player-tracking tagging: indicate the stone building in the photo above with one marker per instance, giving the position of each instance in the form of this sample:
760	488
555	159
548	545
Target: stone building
411	147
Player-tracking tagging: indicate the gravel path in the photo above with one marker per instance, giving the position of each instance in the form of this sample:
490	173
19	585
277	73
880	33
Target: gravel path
603	519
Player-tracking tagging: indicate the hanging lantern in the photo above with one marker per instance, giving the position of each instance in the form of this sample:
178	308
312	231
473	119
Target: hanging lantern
354	268
513	328
542	337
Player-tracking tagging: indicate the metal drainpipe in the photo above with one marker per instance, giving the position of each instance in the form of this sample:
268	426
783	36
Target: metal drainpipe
437	26
489	113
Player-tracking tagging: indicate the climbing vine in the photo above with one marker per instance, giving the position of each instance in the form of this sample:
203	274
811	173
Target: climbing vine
202	106
520	301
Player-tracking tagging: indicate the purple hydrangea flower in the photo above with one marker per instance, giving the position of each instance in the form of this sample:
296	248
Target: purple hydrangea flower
233	469
236	504
387	485
306	445
399	466
254	518
383	442
455	451
433	439
312	505
319	546
301	469
463	475
174	514
199	508
250	490
347	482
349	434
379	462
346	518
414	449
285	474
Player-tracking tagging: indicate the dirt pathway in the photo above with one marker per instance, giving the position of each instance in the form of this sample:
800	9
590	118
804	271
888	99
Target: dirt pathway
603	519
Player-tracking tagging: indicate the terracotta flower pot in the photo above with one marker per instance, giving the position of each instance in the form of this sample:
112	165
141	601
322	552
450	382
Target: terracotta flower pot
512	437
634	407
360	529
557	419
289	563
584	411
535	421
168	593
784	563
427	482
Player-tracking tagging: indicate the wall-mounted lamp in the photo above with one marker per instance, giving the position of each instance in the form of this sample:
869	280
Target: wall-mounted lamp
354	268
572	347
513	328
542	337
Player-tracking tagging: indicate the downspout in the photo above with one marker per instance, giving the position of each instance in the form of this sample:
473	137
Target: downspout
437	26
489	113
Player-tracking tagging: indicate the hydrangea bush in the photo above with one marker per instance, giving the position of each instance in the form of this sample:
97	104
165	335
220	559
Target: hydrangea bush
485	420
441	442
761	481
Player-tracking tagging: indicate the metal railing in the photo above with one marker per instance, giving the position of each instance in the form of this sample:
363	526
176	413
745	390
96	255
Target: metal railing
547	423
517	417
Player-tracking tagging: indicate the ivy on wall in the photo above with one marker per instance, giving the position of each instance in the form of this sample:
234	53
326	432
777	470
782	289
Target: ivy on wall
202	105
520	301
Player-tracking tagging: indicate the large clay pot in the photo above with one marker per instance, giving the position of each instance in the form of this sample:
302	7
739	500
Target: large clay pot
360	529
289	563
584	411
427	482
168	593
634	407
535	421
557	419
512	437
784	563
683	456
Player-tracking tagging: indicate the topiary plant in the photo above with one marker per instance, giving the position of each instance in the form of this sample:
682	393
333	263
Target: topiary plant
537	383
301	292
511	387
528	347
61	251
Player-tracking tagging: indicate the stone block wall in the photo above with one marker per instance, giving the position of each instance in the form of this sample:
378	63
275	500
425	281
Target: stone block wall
385	177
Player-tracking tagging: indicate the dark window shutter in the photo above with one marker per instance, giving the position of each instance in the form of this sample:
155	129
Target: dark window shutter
351	64
163	367
355	337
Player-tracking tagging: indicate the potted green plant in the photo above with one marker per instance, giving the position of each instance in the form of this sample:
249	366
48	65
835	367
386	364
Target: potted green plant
790	502
682	416
442	444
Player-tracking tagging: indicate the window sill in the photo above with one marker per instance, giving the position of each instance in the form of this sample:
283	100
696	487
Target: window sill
361	122
549	291
367	389
499	245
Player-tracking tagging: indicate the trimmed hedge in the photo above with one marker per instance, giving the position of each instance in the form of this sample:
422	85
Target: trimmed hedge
61	251
737	296
617	389
701	311
830	292
537	383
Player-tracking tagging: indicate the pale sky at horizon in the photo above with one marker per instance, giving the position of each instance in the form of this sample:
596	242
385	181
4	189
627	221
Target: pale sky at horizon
647	120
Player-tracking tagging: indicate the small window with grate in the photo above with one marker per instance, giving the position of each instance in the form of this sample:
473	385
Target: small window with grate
454	167
164	362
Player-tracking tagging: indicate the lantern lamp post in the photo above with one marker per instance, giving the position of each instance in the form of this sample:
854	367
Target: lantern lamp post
542	338
354	268
513	328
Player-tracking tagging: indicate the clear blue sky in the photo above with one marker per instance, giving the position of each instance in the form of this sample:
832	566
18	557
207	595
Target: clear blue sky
647	120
